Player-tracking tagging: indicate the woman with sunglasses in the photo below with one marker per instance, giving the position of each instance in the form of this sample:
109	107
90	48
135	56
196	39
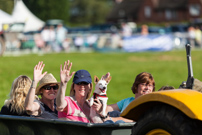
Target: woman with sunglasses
74	107
45	107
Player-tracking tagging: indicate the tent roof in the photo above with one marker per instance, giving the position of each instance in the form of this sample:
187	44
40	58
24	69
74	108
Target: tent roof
22	14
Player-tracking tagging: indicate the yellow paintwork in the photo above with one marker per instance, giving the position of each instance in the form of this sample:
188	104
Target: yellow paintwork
158	132
186	100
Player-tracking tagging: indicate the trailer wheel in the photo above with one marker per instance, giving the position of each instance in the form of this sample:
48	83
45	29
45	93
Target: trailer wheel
165	120
2	46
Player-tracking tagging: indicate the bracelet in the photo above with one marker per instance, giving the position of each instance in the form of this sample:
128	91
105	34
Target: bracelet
110	118
33	85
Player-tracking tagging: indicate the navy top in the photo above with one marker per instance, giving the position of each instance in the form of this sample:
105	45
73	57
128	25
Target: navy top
7	111
46	112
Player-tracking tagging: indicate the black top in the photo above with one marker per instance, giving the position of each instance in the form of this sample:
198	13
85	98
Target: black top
46	112
7	111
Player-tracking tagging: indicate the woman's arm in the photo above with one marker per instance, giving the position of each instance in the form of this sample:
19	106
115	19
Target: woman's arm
33	108
65	76
113	107
118	118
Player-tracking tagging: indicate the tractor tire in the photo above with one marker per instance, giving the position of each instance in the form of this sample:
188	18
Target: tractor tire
2	46
166	120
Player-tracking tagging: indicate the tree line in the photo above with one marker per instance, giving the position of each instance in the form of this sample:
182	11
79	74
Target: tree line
72	12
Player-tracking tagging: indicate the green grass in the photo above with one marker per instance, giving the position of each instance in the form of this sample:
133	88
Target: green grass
168	68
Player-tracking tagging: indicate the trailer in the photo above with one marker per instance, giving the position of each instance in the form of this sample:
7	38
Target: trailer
21	125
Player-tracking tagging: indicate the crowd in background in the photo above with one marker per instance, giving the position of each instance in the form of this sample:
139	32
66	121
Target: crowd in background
52	38
57	38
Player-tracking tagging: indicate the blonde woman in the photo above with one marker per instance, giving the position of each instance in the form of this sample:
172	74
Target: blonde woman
15	104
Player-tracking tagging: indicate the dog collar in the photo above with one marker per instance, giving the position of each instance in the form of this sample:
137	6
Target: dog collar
95	95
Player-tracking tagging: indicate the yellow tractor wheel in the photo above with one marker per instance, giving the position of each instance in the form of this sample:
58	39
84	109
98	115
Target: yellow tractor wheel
166	120
158	132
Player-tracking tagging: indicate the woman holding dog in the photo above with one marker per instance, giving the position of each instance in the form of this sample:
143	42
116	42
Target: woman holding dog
144	83
74	107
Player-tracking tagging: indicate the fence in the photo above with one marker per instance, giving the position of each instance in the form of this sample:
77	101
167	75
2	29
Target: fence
98	42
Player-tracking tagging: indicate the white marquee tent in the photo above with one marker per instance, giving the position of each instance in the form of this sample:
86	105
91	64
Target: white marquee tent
5	18
22	14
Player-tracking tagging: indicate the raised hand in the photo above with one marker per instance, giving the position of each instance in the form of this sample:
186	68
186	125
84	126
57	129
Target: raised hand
38	71
65	75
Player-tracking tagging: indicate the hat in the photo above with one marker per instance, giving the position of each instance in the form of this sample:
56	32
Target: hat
47	79
82	76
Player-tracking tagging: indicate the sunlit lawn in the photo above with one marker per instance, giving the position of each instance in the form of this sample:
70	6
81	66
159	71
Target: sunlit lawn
168	68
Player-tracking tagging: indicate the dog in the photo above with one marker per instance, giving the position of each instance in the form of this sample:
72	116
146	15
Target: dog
99	93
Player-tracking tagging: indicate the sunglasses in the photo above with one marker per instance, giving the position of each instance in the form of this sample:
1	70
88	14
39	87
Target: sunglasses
48	87
82	83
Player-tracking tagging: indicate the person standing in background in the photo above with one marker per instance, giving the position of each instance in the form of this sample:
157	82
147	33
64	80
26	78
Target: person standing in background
45	35
61	34
51	40
191	36
198	35
126	30
144	30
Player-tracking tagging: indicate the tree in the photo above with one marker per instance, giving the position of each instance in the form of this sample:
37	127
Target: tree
88	11
49	9
7	5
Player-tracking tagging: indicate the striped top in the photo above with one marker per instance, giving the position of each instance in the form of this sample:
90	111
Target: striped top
72	111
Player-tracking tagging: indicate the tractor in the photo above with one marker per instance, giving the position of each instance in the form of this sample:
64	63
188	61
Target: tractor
169	112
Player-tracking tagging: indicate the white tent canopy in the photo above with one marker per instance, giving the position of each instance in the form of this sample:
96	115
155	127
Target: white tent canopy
22	14
5	18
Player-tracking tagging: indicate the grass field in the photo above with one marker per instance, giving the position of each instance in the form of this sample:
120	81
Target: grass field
168	68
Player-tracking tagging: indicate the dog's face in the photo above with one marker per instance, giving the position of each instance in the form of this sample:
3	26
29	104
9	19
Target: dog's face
101	85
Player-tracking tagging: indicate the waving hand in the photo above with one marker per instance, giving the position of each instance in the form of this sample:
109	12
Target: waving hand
65	75
38	71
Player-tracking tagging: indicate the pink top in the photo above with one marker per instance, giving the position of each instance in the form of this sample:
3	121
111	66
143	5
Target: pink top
72	111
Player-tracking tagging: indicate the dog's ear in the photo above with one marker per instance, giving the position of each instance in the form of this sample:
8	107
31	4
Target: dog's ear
96	79
108	79
104	77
